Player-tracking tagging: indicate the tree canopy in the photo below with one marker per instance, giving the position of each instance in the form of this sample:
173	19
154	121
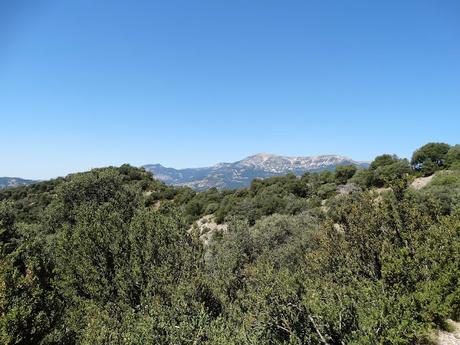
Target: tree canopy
430	157
112	256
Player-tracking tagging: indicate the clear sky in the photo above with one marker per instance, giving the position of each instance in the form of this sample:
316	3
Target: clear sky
191	83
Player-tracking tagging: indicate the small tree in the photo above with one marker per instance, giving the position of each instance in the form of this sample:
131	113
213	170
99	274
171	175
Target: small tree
453	157
344	172
383	160
386	168
434	152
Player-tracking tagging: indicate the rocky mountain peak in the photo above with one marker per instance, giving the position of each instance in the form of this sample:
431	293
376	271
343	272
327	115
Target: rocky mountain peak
241	173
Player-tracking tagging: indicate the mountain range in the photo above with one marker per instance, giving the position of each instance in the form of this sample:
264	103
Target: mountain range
7	182
240	174
231	175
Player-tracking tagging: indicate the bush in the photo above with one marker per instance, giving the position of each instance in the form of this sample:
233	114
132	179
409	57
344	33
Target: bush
344	173
453	157
435	153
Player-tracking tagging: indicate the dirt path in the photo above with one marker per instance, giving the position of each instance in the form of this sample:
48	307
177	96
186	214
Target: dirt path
421	182
449	338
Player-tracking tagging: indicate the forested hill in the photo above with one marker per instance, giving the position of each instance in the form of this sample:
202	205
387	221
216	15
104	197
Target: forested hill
350	256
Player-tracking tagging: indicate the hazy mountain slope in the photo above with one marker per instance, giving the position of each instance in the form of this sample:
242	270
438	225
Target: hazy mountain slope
6	182
241	173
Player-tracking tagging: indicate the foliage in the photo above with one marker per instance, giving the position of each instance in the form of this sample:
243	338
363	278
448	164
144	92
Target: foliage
344	172
386	168
432	154
453	157
108	257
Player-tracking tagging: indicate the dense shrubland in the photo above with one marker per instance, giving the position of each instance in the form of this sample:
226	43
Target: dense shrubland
354	256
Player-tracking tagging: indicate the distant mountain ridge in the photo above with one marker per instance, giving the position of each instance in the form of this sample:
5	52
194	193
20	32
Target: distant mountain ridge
7	182
240	174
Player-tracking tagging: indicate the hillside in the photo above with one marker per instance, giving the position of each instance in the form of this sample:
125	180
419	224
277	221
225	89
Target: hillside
349	256
7	182
240	174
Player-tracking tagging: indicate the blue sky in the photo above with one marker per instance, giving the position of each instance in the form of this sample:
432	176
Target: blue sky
190	83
